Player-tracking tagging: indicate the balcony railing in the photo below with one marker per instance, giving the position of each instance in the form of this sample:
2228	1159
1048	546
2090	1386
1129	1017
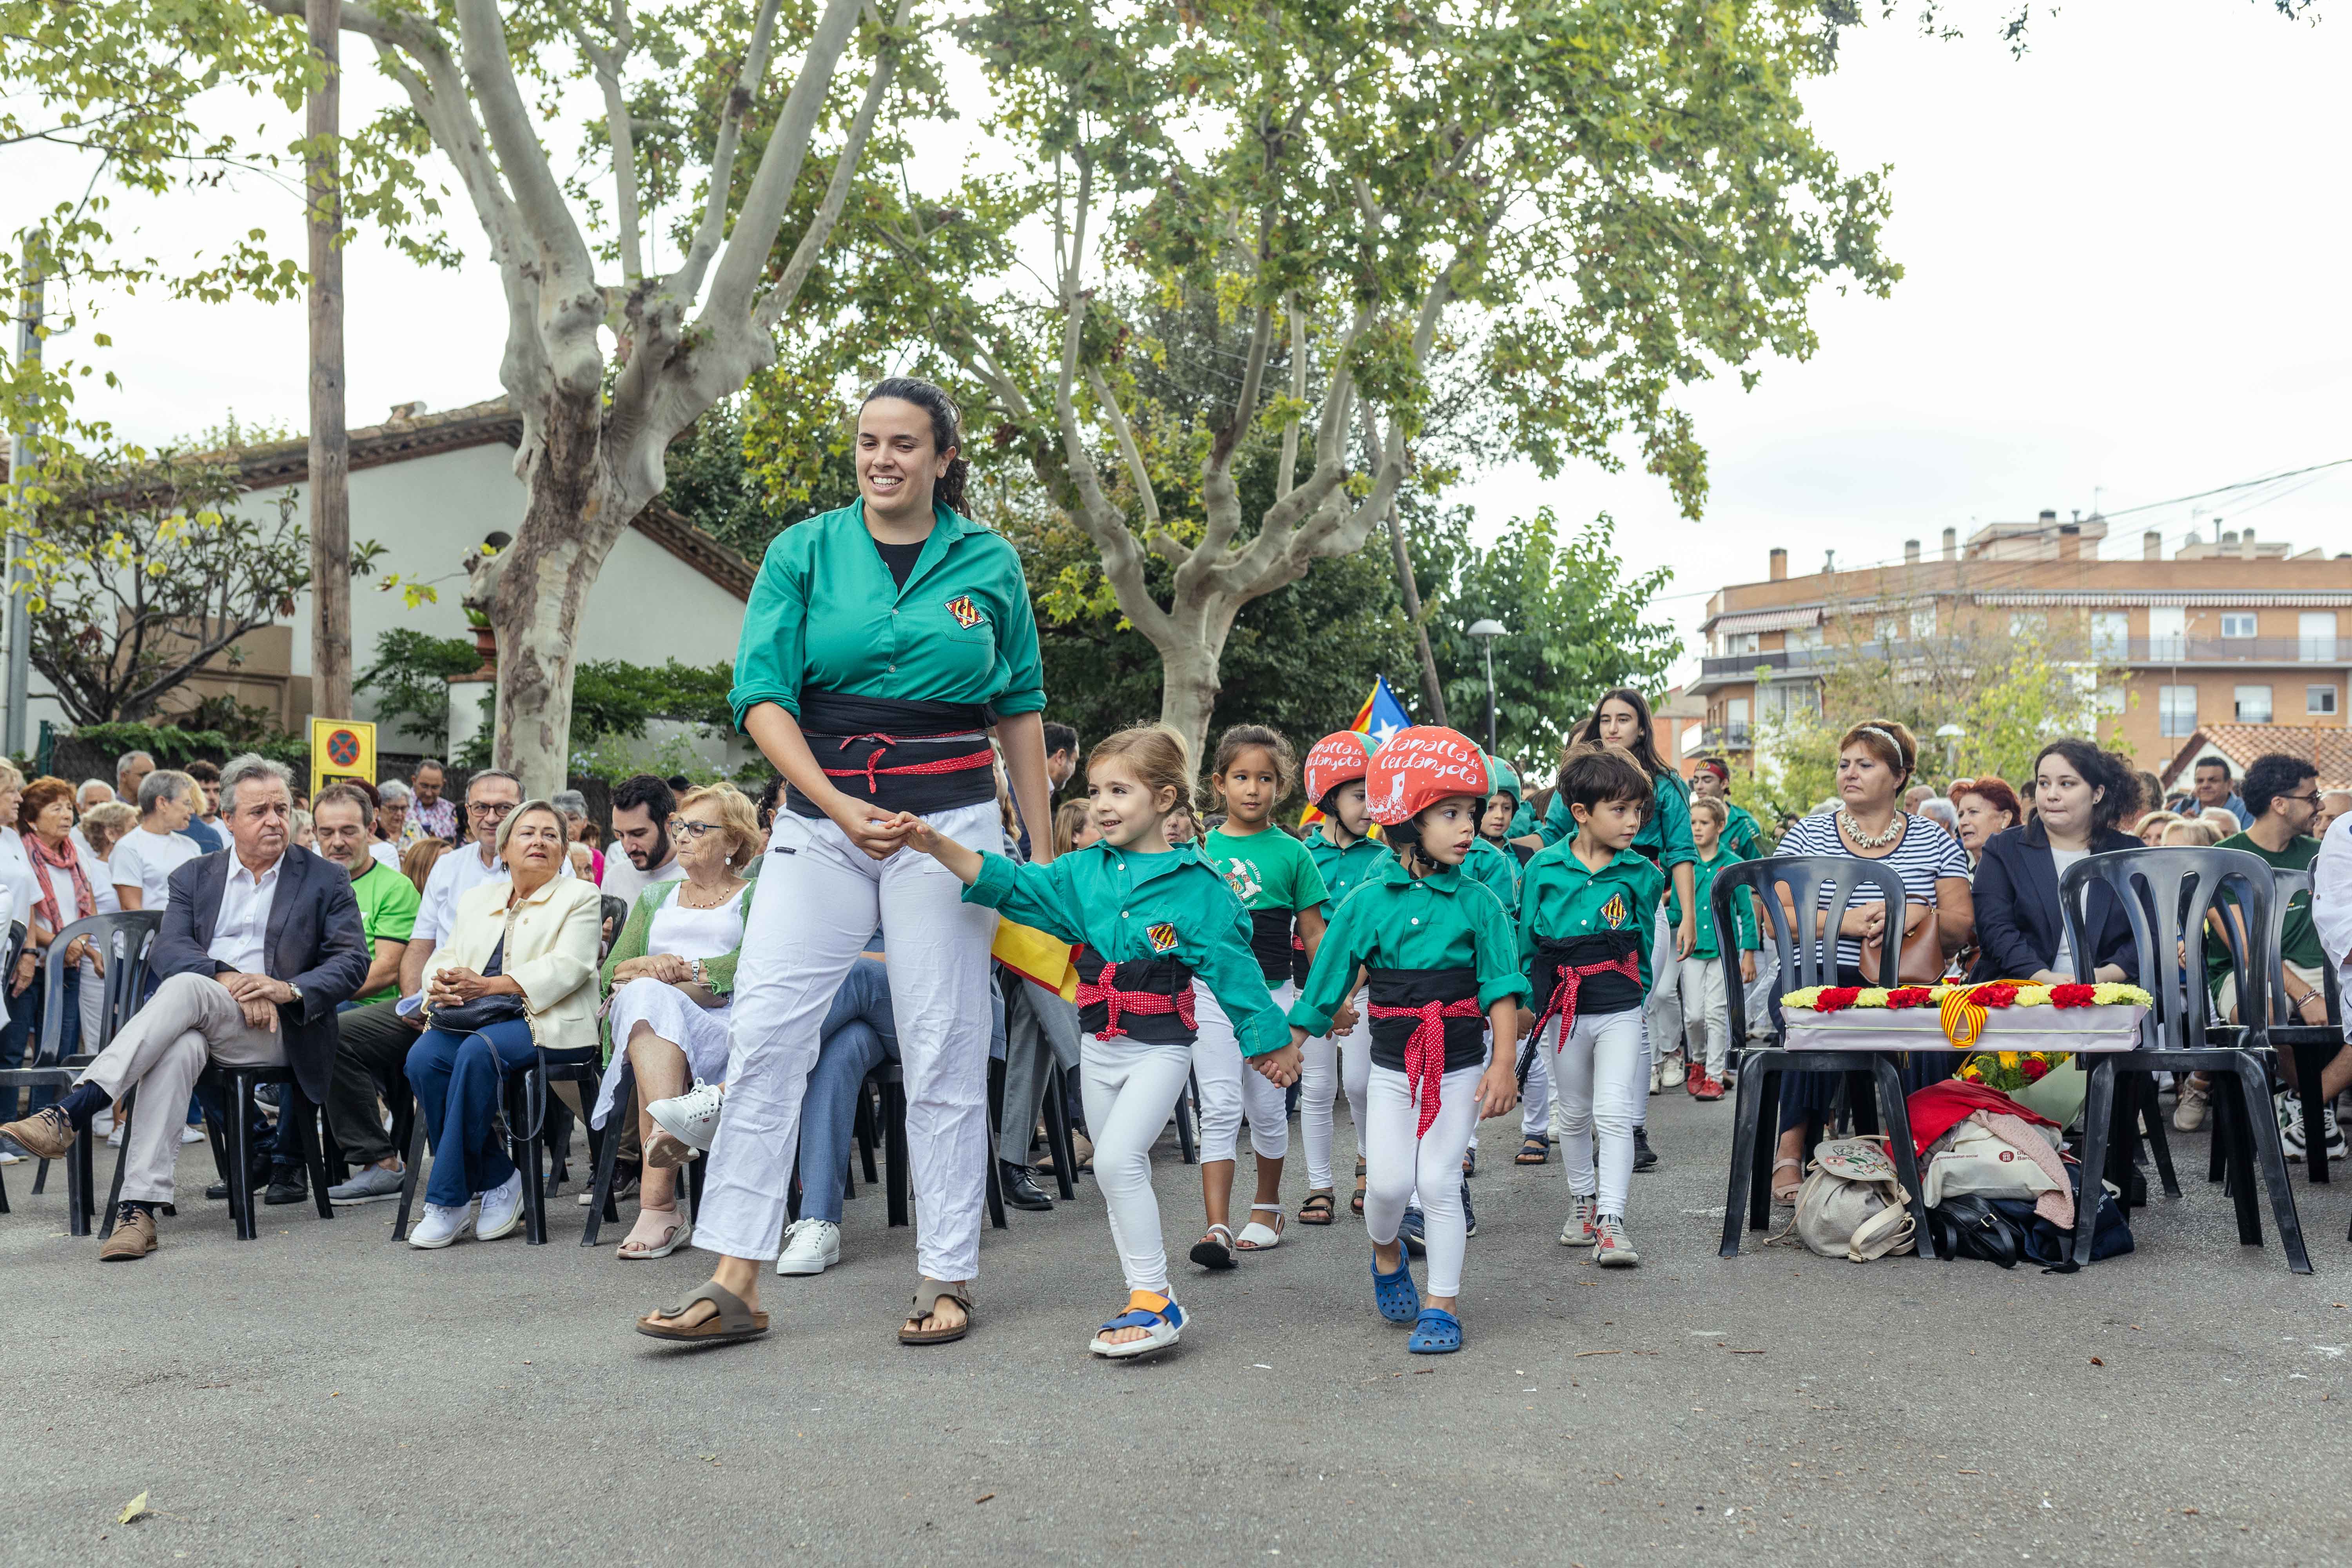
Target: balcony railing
2221	650
1725	738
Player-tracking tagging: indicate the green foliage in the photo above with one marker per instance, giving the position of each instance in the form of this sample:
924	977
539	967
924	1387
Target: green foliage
173	746
410	680
746	471
1575	627
610	697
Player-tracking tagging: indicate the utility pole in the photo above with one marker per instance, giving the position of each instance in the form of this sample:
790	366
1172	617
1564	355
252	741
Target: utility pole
21	460
1431	691
330	447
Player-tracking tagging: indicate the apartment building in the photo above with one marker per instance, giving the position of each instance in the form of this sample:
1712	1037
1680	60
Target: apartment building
2231	630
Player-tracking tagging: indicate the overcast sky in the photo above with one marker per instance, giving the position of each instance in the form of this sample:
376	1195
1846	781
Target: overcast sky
2125	263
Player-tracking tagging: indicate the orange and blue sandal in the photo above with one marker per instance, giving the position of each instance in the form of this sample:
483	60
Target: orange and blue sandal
1435	1333
1399	1299
1158	1315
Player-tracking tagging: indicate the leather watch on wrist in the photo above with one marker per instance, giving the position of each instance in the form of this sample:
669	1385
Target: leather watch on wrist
295	1000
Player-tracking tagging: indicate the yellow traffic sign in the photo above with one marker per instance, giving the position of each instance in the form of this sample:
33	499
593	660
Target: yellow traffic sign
340	749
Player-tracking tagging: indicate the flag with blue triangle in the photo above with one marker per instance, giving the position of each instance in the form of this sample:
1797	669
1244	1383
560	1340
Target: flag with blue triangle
1380	717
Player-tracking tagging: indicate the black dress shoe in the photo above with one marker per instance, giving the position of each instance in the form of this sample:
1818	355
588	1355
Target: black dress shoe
218	1192
291	1188
1020	1190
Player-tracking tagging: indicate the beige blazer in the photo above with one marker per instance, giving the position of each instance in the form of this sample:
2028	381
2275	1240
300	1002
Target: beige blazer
552	939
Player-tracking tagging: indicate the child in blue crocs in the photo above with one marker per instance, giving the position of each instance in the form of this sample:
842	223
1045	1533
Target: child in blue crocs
1442	962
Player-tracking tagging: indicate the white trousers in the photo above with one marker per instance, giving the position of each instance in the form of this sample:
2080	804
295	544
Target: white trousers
1662	1013
1129	1087
1707	1014
1328	1065
1534	1097
1229	1089
1395	1162
818	901
700	1033
1601	1076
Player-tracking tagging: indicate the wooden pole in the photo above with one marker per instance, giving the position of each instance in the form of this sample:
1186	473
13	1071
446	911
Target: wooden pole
331	451
1431	693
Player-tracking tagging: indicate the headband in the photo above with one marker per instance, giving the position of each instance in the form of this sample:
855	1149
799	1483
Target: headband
1883	734
1716	766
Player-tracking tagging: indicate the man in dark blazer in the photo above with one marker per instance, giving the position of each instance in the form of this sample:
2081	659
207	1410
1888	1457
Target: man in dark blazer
260	943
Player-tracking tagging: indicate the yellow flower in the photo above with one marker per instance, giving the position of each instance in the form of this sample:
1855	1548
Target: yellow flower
1871	996
1803	1000
2007	1059
2032	996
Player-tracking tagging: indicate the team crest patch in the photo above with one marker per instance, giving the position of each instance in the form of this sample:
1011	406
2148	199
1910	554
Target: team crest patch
967	614
1163	938
1242	878
1614	912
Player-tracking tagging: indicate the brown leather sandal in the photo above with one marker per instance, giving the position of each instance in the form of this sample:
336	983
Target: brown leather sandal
731	1321
929	1293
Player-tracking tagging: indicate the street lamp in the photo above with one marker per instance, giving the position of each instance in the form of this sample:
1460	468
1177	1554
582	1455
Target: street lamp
1950	735
1486	632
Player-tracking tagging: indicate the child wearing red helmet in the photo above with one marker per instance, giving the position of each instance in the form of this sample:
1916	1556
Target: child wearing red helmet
1439	952
1345	856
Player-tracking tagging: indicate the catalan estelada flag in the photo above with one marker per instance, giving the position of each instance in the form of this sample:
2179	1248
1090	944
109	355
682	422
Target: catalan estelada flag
1380	717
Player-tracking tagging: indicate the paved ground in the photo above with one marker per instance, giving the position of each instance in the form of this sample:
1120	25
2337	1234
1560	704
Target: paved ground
325	1397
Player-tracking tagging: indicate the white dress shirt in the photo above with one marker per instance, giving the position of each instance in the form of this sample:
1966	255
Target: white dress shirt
385	854
2331	898
241	936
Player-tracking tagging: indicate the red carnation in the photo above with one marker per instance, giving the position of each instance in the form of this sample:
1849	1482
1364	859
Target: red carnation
1834	998
1999	993
2034	1068
2073	996
1910	996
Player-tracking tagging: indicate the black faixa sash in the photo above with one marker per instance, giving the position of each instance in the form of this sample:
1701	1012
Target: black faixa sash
1144	998
1400	1000
1270	941
902	756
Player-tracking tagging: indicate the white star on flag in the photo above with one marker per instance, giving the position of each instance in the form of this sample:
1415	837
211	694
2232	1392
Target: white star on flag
1382	731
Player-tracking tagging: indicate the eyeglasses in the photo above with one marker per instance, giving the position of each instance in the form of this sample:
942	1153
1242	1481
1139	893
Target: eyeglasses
679	827
2311	799
491	811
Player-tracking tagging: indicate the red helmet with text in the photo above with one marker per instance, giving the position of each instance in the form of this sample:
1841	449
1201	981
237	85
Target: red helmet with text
1340	758
1421	767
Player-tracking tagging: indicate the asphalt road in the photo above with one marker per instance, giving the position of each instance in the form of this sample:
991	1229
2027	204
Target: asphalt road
323	1396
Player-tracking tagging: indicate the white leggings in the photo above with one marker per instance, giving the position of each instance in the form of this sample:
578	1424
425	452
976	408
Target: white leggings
1599	1075
1662	1013
1129	1087
1329	1064
1535	1096
1707	1014
818	901
1231	1088
1395	1162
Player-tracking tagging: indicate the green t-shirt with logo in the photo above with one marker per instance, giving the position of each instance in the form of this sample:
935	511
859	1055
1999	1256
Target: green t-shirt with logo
2299	938
1268	870
388	905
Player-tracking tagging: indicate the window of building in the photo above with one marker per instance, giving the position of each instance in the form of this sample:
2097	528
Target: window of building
2109	699
1731	645
2315	634
2254	704
2319	700
1805	637
2238	624
2176	711
1923	624
2111	636
2028	622
2168	634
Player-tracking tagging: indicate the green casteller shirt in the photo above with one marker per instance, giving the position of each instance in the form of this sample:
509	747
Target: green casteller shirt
824	615
1743	911
1525	822
1667	834
1268	870
1395	920
1741	835
388	904
1343	870
1126	906
1496	867
1559	898
2298	938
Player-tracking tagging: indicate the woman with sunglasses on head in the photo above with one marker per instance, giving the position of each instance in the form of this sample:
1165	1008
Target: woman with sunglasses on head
881	642
669	980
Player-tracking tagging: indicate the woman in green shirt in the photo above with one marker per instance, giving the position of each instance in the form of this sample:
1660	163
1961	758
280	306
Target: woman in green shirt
880	642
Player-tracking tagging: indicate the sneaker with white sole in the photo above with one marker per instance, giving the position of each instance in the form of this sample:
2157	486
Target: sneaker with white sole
810	1247
502	1209
691	1118
191	1133
374	1184
1612	1247
2189	1110
1582	1211
442	1224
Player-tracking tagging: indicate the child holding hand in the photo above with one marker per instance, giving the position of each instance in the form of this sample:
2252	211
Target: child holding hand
1148	918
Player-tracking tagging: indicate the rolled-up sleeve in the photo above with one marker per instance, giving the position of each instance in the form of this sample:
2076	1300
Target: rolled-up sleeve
1018	678
772	650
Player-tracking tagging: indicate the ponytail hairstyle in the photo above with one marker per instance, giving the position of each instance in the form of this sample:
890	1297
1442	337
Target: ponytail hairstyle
1155	754
947	431
2110	773
1644	746
1240	738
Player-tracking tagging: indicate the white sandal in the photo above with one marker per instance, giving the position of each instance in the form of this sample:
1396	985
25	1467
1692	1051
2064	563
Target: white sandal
679	1231
1258	1237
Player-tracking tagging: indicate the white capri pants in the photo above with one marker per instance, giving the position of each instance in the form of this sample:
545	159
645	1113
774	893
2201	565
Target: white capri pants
1599	1075
1395	1162
1129	1087
1329	1063
818	901
1229	1089
1706	1013
700	1032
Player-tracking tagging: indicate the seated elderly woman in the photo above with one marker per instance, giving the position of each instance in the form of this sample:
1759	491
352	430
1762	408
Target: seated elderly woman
669	975
517	973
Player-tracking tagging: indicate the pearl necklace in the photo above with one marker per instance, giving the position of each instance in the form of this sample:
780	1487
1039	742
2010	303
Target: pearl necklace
1871	840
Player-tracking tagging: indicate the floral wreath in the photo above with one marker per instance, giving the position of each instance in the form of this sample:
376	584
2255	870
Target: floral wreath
1963	1007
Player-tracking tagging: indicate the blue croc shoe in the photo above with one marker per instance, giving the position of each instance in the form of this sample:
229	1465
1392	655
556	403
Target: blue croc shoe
1435	1333
1398	1297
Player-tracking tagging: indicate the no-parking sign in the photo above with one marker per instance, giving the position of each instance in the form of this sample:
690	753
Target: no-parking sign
340	749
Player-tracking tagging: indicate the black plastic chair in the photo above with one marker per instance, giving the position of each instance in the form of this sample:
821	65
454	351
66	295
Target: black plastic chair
898	1183
523	1095
603	1155
124	940
232	1090
1808	960
1065	1148
1186	1097
2311	1045
2166	894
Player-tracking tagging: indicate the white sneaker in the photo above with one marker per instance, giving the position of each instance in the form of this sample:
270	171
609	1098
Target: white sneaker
810	1247
1581	1214
502	1209
442	1224
691	1118
114	1138
191	1134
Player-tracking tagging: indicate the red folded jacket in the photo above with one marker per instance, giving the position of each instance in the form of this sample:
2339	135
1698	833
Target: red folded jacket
1940	1107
